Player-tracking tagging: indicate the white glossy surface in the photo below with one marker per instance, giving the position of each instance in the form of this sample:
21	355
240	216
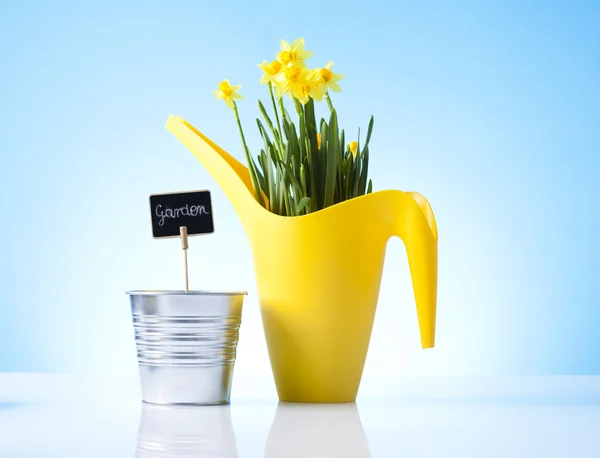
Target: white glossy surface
62	416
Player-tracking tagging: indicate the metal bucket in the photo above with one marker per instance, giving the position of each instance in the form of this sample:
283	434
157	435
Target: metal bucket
186	344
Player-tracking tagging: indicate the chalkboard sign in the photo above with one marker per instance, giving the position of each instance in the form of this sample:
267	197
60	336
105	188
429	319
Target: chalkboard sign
171	211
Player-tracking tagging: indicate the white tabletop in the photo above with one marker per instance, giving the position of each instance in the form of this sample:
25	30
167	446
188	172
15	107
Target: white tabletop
44	415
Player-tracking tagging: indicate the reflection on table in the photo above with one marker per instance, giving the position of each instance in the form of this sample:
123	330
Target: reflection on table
317	431
186	431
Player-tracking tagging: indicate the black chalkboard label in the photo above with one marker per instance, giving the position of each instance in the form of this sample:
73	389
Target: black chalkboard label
171	211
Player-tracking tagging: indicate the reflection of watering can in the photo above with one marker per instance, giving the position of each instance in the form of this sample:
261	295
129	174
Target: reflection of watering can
317	431
177	431
319	274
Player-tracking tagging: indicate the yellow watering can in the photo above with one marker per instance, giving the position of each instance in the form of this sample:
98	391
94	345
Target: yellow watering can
318	275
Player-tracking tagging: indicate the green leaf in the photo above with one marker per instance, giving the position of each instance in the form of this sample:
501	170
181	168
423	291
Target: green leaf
294	181
286	197
302	138
356	179
320	170
288	152
350	176
370	130
280	201
332	152
294	166
298	106
270	179
280	145
286	127
340	166
266	116
311	124
347	173
370	189
262	158
265	136
254	180
293	151
303	203
284	113
312	152
364	171
303	179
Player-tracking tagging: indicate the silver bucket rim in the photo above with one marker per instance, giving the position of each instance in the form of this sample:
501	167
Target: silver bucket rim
184	293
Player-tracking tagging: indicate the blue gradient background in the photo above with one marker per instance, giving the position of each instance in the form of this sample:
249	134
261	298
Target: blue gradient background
489	109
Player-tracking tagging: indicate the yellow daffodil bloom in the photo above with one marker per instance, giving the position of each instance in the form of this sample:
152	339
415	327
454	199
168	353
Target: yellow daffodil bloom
322	80
293	81
227	92
353	146
302	92
270	70
317	90
293	54
319	140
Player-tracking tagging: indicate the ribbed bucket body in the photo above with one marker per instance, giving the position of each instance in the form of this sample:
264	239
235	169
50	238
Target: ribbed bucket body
186	344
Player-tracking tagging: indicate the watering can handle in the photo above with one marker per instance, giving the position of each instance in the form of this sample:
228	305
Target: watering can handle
416	225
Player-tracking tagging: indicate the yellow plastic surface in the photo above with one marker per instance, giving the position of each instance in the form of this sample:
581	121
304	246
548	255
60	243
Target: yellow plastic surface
318	275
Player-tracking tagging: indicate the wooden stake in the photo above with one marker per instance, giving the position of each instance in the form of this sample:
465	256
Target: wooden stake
184	244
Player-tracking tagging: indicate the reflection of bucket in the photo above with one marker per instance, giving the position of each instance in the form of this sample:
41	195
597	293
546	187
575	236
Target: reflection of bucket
317	431
186	344
186	431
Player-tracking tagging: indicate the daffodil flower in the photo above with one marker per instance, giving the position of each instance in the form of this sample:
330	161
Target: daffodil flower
228	93
279	192
353	147
269	70
293	54
302	93
293	81
322	80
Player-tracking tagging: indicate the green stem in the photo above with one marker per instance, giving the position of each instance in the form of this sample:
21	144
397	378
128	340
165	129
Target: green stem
329	101
281	146
239	123
275	107
298	106
313	152
253	177
282	108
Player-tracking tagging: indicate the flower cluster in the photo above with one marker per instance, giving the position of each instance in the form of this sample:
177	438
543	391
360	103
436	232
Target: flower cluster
304	166
289	75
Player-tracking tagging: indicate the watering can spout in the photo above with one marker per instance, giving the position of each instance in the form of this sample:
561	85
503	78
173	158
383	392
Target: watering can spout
231	175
